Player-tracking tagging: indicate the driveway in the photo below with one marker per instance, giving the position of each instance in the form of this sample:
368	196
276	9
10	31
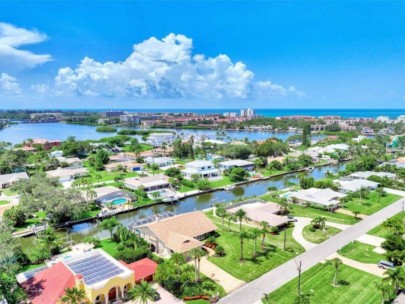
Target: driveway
366	267
227	281
274	279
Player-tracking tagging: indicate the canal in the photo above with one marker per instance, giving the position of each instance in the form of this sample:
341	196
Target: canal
199	202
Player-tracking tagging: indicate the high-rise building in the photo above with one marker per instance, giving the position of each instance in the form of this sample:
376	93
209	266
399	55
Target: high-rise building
247	112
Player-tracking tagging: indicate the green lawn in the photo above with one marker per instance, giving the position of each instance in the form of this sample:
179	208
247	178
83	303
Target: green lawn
372	204
8	192
225	181
105	176
381	231
267	172
361	252
198	302
318	236
330	216
252	267
4	202
109	246
31	267
356	287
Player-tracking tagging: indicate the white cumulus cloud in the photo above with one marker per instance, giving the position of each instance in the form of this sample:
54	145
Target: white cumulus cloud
9	85
11	39
165	69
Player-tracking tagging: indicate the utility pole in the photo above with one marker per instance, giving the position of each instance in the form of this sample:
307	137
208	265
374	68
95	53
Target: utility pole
285	237
299	277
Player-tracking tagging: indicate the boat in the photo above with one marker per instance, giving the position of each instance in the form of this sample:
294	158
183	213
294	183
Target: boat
309	169
229	188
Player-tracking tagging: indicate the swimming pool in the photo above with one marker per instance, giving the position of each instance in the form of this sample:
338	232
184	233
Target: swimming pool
119	201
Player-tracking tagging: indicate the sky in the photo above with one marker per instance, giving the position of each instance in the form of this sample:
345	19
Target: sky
202	54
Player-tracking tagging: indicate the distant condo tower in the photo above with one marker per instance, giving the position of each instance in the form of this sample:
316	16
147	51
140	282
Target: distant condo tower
247	112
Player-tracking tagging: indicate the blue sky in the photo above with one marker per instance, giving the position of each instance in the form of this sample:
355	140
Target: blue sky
264	54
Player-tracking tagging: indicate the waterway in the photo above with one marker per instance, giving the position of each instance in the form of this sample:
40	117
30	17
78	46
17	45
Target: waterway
199	202
16	134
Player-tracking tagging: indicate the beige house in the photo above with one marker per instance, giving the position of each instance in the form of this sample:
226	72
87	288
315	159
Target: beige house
149	183
180	233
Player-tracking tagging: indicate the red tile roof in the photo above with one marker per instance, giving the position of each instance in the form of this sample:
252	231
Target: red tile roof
49	285
142	268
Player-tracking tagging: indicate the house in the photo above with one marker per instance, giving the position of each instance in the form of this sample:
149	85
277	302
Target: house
202	168
180	233
160	161
355	185
259	211
104	279
321	198
7	180
67	174
157	139
72	162
367	174
122	157
149	183
44	143
128	166
237	163
110	194
58	153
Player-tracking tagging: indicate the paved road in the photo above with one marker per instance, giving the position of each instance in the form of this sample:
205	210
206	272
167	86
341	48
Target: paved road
255	290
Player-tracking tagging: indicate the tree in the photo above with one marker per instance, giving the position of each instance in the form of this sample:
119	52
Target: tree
231	217
178	259
237	174
109	224
264	230
255	232
100	159
395	226
385	290
219	251
381	192
142	293
242	236
221	212
307	182
237	151
197	253
241	215
74	295
203	184
16	215
336	262
306	135
397	278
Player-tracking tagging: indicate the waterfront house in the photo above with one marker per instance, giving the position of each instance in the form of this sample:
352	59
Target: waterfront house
320	198
180	233
67	174
44	143
108	194
346	186
7	180
128	166
367	174
58	153
104	279
149	183
158	139
160	161
202	168
122	157
237	163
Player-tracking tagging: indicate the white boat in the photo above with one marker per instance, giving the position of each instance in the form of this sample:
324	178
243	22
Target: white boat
229	188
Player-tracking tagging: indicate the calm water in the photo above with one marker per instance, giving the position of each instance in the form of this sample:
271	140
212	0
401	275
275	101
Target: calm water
200	202
18	133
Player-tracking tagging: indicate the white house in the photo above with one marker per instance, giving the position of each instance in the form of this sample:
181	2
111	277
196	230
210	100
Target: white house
367	174
203	168
72	162
237	163
58	153
324	198
157	139
149	183
355	185
67	174
160	161
7	180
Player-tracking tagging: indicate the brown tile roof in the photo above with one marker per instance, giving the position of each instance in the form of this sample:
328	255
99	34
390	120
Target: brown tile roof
178	233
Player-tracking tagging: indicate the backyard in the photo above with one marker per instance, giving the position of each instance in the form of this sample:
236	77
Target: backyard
355	287
383	232
329	216
371	204
318	236
252	267
361	252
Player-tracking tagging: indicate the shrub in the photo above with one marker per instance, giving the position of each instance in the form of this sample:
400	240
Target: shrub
187	183
219	251
15	215
92	240
106	129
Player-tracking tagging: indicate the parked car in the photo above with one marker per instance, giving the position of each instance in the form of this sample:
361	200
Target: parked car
386	265
291	218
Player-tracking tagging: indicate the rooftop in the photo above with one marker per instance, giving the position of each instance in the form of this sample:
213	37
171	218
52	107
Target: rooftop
13	177
357	184
324	197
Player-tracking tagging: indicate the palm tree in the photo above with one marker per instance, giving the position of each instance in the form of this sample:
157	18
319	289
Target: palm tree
74	295
380	191
231	217
142	293
397	277
197	253
241	215
178	260
222	213
336	262
264	230
396	226
242	235
255	232
384	287
109	224
284	205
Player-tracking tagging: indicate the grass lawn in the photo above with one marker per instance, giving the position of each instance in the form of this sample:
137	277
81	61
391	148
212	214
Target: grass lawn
185	189
31	267
4	202
361	252
8	192
225	181
109	246
318	236
330	216
371	205
381	231
104	175
251	267
198	302
267	172
356	287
